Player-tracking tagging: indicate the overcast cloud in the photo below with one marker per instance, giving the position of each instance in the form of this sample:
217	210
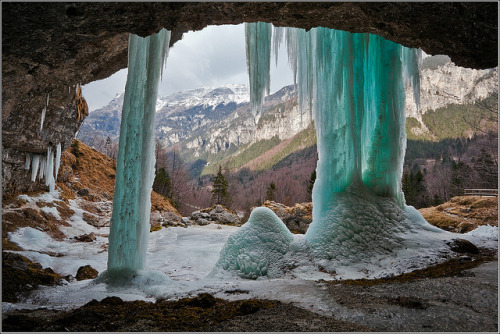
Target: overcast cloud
211	57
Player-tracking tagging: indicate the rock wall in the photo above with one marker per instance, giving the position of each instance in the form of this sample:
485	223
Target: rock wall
48	48
450	84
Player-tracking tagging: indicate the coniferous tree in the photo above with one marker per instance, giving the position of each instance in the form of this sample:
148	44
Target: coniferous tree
220	194
460	177
487	171
436	200
271	192
413	186
310	184
163	184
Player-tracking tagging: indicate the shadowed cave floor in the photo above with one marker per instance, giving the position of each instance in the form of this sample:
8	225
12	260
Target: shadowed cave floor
458	295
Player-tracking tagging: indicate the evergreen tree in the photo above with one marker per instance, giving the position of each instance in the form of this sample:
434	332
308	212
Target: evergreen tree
460	178
487	171
271	192
310	184
220	194
436	200
413	186
163	185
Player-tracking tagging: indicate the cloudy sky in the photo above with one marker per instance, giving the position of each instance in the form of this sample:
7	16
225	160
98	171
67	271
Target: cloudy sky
211	57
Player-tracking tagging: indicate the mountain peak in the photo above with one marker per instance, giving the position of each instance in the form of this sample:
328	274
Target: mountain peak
207	96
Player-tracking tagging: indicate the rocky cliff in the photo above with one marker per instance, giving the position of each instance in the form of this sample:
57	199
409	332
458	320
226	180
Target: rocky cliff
48	48
443	83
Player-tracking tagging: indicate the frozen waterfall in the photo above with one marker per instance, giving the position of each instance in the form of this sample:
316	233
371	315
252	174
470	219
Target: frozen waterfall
130	227
354	84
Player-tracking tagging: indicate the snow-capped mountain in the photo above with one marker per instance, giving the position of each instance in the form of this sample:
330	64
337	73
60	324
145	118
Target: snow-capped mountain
177	114
206	97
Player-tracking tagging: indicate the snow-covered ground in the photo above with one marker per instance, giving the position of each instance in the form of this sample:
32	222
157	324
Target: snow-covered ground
186	255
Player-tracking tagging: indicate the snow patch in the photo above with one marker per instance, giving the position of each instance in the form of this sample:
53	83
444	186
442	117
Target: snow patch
52	211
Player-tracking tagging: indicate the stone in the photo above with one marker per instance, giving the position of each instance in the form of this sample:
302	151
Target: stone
296	218
202	221
225	218
463	246
86	272
86	237
83	192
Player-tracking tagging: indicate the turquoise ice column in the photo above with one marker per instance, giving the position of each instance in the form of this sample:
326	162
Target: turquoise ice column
128	237
354	83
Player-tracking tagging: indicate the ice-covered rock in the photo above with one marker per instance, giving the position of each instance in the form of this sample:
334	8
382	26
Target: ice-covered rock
258	247
165	219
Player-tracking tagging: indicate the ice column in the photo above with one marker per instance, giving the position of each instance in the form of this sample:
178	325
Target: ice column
354	83
135	164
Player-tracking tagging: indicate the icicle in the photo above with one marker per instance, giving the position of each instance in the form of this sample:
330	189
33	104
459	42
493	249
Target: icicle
34	166
43	162
44	110
28	161
130	227
49	167
277	40
58	160
47	104
52	184
258	49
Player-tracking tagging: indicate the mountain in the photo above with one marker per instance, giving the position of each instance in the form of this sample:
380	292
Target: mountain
213	126
447	94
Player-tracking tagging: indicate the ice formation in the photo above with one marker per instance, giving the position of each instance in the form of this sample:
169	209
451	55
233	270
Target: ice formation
45	166
28	161
44	110
58	160
258	247
129	231
35	161
258	49
354	84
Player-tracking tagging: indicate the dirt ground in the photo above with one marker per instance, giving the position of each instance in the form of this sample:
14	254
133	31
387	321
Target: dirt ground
460	295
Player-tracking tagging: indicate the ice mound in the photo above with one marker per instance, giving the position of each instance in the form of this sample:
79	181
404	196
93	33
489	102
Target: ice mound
362	230
258	248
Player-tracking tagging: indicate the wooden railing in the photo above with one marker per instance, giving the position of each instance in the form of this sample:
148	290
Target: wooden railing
481	192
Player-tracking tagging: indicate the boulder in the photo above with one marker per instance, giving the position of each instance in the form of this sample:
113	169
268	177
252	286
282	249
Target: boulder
463	246
186	221
83	192
297	218
86	237
202	221
217	214
86	272
165	219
